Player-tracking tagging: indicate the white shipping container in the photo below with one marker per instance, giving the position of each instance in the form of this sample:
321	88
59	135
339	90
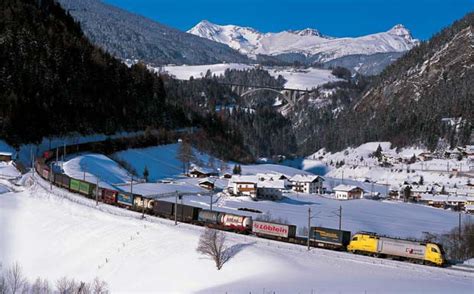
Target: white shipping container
270	229
405	248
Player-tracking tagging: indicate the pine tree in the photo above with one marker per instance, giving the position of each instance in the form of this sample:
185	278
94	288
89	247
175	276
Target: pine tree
146	173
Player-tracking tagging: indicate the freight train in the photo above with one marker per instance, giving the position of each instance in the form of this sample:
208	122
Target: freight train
361	243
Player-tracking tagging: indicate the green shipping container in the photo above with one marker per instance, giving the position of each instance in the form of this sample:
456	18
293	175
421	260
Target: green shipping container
74	185
84	188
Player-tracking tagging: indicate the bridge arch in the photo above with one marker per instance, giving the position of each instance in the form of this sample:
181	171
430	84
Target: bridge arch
251	91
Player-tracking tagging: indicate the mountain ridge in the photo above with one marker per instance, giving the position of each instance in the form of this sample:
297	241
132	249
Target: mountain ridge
309	42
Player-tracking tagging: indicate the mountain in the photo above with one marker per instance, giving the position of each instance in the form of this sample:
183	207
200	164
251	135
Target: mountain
53	81
424	96
130	36
308	42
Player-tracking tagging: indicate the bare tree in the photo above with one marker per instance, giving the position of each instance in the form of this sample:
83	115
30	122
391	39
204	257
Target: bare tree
3	282
41	286
65	285
185	155
212	244
99	287
16	282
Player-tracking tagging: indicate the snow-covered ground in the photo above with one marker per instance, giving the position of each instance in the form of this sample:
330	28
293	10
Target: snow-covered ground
96	167
296	78
53	236
8	170
359	165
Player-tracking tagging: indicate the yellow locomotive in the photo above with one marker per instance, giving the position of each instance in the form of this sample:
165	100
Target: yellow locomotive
381	246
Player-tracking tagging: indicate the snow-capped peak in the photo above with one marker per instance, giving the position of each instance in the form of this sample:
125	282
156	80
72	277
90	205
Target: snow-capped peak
308	32
309	42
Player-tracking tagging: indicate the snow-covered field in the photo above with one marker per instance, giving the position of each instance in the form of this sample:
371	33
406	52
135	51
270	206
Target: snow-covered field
52	237
296	78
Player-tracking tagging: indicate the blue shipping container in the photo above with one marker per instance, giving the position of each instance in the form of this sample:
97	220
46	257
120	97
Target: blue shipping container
126	199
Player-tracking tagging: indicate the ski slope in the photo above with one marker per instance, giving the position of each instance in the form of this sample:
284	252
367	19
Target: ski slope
54	236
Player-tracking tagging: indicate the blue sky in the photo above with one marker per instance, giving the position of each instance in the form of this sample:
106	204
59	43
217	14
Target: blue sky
332	17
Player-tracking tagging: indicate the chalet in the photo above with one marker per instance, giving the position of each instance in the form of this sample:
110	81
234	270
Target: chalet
307	184
6	156
345	192
201	172
243	186
425	156
206	184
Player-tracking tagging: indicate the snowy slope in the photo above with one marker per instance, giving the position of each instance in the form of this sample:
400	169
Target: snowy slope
96	167
74	240
309	42
295	78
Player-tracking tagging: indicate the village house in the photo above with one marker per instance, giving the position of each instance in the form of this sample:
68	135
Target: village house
270	189
243	186
207	184
202	172
307	184
346	192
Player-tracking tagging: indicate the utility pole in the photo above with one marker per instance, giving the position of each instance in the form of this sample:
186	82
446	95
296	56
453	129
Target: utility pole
84	173
176	209
459	229
309	225
212	194
340	217
51	176
131	186
342	178
97	193
57	155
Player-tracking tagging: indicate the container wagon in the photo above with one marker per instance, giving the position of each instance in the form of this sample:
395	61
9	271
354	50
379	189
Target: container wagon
125	199
381	246
62	180
81	187
273	230
186	213
163	208
108	196
329	238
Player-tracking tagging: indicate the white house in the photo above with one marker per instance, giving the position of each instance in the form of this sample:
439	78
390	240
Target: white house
307	184
345	192
202	172
243	185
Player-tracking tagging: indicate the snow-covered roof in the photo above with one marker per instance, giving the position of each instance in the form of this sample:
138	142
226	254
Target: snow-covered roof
203	170
149	189
244	179
276	184
305	178
346	188
6	153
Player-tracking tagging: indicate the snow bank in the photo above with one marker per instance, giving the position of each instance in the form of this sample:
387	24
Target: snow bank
135	255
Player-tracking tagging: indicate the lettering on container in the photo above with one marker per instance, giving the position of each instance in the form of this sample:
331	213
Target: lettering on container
270	229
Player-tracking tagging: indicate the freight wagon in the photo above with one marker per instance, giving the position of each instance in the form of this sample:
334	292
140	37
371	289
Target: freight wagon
380	246
62	180
208	217
185	213
125	199
163	208
329	238
81	187
236	223
108	196
273	230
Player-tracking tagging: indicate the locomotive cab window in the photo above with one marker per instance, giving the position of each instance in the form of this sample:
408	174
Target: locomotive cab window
354	239
434	250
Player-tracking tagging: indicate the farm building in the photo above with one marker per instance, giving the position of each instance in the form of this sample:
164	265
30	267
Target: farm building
345	192
307	184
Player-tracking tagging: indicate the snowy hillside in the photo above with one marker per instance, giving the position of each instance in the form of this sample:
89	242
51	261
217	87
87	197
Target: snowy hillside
309	42
132	255
295	78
